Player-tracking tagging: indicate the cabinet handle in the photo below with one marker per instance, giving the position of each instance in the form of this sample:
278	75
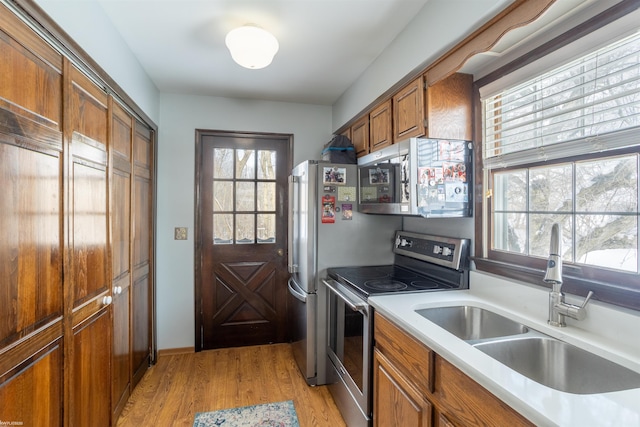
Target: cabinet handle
117	290
107	300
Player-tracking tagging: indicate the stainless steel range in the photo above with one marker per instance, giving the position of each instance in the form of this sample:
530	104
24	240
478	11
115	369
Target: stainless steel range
422	263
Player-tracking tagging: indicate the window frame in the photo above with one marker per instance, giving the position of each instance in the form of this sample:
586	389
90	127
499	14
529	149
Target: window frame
614	287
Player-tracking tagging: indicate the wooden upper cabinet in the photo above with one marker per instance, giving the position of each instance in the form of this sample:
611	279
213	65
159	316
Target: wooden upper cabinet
408	111
360	136
380	126
449	108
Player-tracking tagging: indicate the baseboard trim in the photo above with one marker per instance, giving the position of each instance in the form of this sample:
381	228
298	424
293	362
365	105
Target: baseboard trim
176	351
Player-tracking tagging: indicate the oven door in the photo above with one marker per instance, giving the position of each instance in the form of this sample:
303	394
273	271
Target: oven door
349	353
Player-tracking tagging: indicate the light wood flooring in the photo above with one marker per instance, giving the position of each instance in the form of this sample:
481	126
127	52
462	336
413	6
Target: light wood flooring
179	386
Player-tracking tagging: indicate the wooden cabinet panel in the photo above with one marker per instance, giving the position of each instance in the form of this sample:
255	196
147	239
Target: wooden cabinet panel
360	136
90	374
408	111
31	393
395	401
449	108
31	82
467	403
411	357
30	247
121	352
380	131
89	225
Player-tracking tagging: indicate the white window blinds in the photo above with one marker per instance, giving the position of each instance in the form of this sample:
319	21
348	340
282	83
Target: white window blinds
591	104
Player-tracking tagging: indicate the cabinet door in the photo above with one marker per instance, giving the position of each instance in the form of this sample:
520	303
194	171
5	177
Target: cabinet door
87	283
395	401
120	199
360	136
408	111
31	218
449	108
142	281
380	126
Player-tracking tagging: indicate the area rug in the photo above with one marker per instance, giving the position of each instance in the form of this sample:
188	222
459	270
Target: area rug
277	414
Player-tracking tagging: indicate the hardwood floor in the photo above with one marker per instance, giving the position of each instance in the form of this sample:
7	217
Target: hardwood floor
179	386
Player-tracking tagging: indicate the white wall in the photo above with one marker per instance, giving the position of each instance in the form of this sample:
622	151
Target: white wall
423	41
180	116
95	33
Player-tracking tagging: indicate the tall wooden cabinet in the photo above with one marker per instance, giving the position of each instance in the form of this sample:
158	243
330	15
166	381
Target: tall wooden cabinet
32	249
76	258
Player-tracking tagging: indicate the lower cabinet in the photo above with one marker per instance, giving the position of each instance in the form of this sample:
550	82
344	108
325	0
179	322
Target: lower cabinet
413	386
395	400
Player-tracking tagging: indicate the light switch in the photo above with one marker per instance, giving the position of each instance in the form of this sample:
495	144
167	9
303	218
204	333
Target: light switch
180	233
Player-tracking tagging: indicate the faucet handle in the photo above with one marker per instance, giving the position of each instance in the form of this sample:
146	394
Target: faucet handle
579	313
586	300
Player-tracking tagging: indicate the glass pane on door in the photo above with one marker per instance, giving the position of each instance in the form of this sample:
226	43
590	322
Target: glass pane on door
222	163
245	232
266	196
222	196
266	228
266	164
222	229
245	196
245	164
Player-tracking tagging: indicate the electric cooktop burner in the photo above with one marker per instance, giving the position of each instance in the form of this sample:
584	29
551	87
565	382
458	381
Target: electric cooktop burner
385	285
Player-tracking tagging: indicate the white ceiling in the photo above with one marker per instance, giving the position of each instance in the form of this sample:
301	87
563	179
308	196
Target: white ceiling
325	45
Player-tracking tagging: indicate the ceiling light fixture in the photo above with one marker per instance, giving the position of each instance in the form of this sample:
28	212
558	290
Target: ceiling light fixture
251	46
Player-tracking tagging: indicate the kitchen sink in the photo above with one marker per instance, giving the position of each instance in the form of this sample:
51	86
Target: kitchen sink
472	323
560	365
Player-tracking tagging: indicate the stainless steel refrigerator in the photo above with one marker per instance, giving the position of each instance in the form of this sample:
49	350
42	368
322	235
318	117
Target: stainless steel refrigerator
325	230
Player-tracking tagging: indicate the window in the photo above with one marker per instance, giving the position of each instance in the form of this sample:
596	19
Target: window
564	147
244	196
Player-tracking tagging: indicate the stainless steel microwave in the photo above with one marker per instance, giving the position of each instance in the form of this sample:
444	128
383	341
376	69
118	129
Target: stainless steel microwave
419	177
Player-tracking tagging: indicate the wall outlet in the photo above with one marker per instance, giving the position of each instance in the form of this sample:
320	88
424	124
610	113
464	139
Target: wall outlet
180	233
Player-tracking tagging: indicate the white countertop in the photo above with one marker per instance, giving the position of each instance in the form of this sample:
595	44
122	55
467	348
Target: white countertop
608	332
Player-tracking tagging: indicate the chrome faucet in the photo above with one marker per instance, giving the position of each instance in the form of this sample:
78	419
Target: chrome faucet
558	309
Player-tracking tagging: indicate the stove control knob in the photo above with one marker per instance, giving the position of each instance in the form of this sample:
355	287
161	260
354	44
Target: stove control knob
446	251
437	249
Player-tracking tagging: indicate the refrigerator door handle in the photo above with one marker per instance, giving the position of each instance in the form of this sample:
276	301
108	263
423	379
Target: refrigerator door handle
292	268
292	285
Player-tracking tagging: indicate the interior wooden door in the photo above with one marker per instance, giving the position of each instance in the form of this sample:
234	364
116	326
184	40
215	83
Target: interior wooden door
241	239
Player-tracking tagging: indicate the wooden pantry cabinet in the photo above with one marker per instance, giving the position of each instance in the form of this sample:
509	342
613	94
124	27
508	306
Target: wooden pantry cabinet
75	216
414	386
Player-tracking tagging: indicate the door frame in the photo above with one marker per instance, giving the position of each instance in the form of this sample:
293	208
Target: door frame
286	138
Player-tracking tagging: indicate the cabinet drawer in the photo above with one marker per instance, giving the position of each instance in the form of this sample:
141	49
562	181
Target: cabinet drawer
411	357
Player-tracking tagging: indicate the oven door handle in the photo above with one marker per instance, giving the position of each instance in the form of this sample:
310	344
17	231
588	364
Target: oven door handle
353	305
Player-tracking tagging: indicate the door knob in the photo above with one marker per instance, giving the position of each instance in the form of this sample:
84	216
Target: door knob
280	252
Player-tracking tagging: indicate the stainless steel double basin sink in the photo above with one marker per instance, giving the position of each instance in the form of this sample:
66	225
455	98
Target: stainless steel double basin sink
539	357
